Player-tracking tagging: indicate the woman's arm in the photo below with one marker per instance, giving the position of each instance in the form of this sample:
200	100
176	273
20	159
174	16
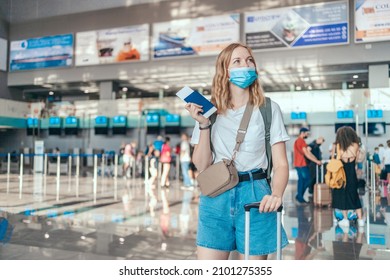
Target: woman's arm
201	157
279	179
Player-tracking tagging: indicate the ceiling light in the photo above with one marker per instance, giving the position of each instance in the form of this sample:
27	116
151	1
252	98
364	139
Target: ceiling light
306	79
86	91
51	92
124	89
355	76
298	88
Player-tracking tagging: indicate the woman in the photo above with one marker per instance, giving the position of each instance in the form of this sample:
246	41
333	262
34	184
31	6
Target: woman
126	160
165	159
221	219
347	198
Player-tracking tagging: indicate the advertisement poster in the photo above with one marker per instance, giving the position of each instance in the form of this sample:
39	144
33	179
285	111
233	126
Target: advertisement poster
200	36
3	54
372	21
117	45
302	26
43	52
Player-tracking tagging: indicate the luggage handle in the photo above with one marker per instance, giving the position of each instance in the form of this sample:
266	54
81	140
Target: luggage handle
322	174
247	208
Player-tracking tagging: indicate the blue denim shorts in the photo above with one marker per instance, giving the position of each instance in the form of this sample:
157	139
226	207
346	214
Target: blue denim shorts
221	222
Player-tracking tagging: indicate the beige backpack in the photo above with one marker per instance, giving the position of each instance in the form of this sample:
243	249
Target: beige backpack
335	175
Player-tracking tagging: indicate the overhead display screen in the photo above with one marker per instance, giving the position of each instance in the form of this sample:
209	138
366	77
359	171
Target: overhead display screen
123	44
345	114
199	36
43	52
372	20
320	24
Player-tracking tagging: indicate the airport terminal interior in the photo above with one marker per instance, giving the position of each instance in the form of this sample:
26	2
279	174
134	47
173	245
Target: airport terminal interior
88	91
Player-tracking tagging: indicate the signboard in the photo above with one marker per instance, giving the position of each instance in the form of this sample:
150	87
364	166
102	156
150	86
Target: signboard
372	20
43	52
117	45
3	54
200	36
119	121
375	128
101	121
346	114
153	119
371	114
32	122
172	119
55	122
298	115
321	24
71	121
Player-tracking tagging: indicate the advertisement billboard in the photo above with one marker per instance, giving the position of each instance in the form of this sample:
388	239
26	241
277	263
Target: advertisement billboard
372	20
200	36
43	52
321	24
123	44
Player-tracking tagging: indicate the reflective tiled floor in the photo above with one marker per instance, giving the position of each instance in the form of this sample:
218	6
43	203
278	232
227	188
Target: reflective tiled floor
74	218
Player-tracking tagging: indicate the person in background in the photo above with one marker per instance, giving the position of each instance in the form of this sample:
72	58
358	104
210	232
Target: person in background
149	150
386	160
126	160
361	158
377	164
165	159
381	153
158	143
151	184
185	160
121	153
301	152
315	149
347	197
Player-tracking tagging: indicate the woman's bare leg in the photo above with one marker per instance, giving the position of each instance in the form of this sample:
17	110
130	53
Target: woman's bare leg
211	254
264	257
165	173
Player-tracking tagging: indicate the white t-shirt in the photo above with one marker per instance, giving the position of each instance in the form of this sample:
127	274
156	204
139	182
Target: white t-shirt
386	156
185	151
252	152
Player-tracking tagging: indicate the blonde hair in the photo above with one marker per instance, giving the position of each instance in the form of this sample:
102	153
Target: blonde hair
221	96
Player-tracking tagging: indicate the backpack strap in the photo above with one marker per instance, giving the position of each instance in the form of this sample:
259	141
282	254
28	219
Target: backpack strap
266	112
212	119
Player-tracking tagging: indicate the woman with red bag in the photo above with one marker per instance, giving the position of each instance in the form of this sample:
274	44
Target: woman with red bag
165	159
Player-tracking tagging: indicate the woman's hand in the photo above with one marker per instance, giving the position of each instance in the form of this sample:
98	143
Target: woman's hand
195	111
270	203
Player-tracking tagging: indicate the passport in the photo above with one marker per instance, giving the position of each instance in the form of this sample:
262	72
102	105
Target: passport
187	94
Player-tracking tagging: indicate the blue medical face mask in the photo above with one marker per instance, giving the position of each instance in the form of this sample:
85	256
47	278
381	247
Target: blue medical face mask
242	77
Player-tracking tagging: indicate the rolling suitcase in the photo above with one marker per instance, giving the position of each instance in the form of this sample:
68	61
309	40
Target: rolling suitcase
248	208
322	192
